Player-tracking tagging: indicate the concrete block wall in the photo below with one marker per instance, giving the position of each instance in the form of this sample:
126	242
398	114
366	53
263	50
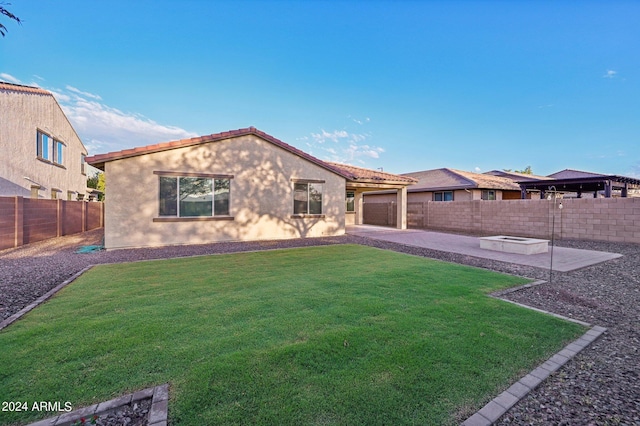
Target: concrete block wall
26	220
597	219
381	214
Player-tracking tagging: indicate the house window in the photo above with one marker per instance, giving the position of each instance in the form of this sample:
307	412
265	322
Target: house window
194	196
488	194
351	201
443	196
307	198
42	145
58	148
83	164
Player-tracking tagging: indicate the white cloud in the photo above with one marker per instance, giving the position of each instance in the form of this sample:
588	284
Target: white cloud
103	128
9	78
80	92
478	169
345	147
334	136
358	121
610	74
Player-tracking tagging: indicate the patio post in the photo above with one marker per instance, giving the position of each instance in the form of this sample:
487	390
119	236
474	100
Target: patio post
359	206
401	212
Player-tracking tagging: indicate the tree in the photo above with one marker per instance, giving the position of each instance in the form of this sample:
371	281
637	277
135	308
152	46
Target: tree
5	12
527	171
97	182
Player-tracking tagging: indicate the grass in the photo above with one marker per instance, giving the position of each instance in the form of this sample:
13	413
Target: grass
324	335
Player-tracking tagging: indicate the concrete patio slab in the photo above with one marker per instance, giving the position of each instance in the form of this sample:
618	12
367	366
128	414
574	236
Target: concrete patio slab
564	259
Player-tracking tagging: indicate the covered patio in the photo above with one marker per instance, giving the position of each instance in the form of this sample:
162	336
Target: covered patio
366	180
609	185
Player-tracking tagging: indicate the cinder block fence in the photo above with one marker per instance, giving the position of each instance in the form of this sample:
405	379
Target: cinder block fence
26	220
595	219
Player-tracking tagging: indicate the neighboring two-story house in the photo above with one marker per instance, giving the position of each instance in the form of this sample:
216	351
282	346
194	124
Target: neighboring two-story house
41	155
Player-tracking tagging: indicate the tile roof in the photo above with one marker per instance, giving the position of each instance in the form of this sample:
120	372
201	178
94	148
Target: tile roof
24	89
367	175
517	177
348	172
445	178
572	174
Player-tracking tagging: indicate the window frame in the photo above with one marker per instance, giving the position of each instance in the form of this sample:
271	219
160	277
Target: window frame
190	175
442	195
58	152
309	183
350	201
42	145
487	195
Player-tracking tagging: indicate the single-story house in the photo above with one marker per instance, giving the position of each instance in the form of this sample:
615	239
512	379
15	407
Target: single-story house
447	184
234	186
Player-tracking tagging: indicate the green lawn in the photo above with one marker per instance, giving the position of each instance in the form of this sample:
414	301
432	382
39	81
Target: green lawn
339	334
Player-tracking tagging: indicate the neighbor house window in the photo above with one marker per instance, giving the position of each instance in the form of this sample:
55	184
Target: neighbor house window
58	152
42	145
488	194
307	198
194	196
443	196
351	201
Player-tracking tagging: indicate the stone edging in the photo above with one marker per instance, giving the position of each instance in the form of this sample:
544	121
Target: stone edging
157	414
499	405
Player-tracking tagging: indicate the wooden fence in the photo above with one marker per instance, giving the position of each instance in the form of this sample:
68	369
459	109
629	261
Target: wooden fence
26	220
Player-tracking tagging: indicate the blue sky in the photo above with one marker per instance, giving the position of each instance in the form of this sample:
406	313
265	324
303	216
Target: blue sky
403	85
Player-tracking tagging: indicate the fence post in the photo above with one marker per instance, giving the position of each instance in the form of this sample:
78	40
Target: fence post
59	218
18	222
84	216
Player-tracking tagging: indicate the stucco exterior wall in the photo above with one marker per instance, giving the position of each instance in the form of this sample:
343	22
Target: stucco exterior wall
261	195
21	115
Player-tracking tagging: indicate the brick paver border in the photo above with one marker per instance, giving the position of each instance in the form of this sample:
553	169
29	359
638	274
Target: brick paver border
499	405
157	414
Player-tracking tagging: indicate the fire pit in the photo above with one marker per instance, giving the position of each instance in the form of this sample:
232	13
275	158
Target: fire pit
519	245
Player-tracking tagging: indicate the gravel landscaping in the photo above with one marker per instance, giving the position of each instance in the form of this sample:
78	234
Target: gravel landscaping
600	386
